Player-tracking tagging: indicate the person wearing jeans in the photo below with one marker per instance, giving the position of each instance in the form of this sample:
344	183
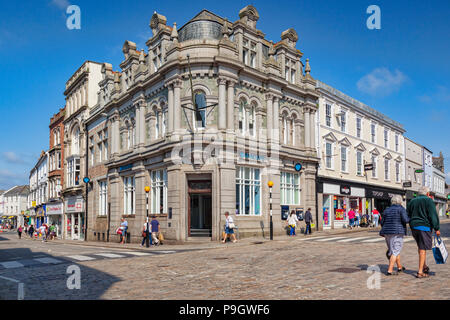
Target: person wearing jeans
292	222
376	217
308	220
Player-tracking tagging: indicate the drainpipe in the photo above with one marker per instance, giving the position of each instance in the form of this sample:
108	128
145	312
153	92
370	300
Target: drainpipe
87	184
317	196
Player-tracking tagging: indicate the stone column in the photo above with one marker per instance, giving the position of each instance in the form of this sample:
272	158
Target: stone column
170	102
313	130
177	106
222	103
307	128
276	118
230	106
269	115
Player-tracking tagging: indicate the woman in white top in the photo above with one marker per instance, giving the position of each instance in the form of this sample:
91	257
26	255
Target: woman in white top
292	222
229	227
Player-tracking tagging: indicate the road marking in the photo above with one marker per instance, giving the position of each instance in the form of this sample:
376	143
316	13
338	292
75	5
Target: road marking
11	264
165	251
407	239
353	239
331	239
314	238
81	258
374	240
136	253
48	260
109	255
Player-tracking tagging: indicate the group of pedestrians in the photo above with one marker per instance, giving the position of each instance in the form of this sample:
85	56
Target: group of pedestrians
45	232
155	235
422	217
293	221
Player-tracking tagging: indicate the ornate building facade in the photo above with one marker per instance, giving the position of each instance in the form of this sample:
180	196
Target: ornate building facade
257	104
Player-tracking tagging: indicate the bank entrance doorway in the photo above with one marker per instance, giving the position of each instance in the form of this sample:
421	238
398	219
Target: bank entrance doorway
200	209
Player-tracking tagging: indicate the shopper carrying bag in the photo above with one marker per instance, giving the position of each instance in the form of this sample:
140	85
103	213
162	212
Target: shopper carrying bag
439	250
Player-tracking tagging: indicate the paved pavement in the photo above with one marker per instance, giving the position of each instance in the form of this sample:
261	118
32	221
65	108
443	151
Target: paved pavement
312	267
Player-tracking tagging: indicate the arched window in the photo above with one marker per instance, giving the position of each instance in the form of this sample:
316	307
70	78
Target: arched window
285	128
242	120
251	120
164	119
292	127
76	141
157	123
200	116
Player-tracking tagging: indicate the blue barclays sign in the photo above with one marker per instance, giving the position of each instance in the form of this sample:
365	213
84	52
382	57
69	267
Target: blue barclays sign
127	167
251	156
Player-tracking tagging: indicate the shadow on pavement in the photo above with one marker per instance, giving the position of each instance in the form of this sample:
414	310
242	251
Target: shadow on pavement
48	277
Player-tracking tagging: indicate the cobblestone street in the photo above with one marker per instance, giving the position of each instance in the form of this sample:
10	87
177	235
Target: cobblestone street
318	267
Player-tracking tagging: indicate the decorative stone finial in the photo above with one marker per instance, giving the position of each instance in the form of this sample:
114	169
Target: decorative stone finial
307	67
174	34
141	57
225	31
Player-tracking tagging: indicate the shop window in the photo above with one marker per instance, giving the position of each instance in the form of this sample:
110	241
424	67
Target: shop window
129	195
159	191
248	191
290	188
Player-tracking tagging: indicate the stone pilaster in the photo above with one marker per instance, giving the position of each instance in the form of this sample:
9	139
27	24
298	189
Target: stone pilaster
222	103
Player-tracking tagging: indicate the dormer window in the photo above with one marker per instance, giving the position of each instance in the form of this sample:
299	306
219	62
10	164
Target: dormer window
289	70
249	53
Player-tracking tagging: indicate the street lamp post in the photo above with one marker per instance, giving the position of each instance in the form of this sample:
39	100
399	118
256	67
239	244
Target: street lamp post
270	184
147	233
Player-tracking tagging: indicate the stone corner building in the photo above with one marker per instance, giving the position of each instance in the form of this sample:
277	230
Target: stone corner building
142	131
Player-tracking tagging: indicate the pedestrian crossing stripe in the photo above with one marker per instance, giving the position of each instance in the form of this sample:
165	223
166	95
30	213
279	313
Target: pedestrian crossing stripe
48	260
374	240
81	258
315	238
109	255
353	239
331	239
137	253
11	264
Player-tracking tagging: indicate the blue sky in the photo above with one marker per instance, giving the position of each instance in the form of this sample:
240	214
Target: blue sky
401	70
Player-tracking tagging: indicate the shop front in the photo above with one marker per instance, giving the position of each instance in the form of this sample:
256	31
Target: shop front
75	218
41	216
55	216
381	198
337	200
440	206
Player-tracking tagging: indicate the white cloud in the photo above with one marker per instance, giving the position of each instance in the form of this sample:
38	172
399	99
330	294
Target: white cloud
61	4
13	158
9	179
381	82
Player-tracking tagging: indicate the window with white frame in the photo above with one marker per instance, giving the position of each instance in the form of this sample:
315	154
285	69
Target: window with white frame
242	104
292	128
159	191
329	154
359	162
248	191
76	141
100	146
91	151
105	144
386	169
396	142
290	188
386	138
375	167
103	197
397	171
249	53
285	129
129	196
328	115
373	132
251	119
343	158
343	120
289	70
73	172
157	124
358	127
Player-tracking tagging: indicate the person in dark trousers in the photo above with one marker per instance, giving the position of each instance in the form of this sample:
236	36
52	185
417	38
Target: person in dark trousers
393	222
423	219
19	231
31	231
308	220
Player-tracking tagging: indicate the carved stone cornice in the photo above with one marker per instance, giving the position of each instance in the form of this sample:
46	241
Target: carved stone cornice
252	86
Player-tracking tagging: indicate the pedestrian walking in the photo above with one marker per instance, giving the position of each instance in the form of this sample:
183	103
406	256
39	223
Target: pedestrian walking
19	231
308	220
144	234
375	217
42	232
393	228
357	218
229	228
124	227
351	218
423	219
292	222
52	231
155	230
31	231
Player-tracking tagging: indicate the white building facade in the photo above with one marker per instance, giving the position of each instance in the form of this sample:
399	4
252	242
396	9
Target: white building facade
351	135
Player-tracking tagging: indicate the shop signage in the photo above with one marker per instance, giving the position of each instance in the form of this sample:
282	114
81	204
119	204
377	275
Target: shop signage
368	167
284	212
74	205
378	194
56	208
127	167
41	211
448	197
33	203
407	184
251	156
298	167
346	190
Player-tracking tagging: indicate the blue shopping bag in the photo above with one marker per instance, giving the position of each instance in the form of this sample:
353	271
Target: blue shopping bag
439	250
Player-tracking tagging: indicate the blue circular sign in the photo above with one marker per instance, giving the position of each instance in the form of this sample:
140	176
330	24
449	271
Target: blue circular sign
298	167
86	180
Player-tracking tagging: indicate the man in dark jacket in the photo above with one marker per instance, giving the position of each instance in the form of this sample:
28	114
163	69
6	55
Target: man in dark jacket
394	220
308	220
423	219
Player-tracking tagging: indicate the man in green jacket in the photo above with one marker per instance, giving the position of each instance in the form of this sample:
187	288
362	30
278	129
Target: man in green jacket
423	219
